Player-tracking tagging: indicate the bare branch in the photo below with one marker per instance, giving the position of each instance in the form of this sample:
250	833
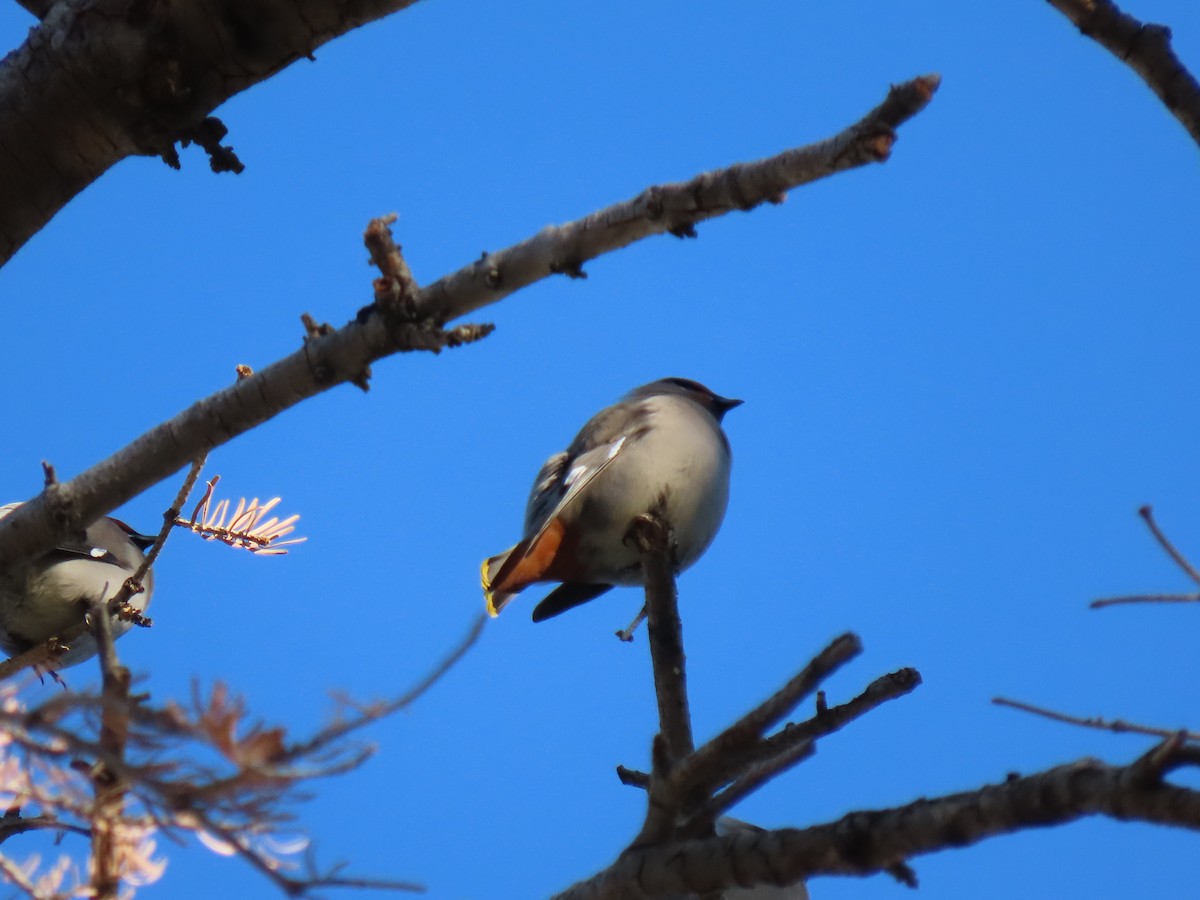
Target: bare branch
1144	48
863	843
754	778
1116	726
1147	515
13	823
376	711
340	357
94	84
1143	598
208	771
718	760
110	789
674	208
654	541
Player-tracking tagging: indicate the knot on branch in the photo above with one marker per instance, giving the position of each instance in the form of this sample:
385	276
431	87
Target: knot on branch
395	288
396	294
208	135
323	372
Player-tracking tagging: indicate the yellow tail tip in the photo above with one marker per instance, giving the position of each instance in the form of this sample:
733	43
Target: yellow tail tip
488	596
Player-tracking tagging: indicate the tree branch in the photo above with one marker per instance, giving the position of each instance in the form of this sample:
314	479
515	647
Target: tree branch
1144	48
865	843
101	80
37	8
1116	726
108	784
654	541
342	355
1147	514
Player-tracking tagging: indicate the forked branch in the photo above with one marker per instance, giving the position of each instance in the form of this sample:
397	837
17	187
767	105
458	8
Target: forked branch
1172	551
864	843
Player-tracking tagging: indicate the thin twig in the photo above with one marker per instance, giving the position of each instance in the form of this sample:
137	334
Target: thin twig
133	584
1147	515
13	823
830	719
752	780
1180	560
1144	598
376	711
15	875
1117	726
865	842
709	766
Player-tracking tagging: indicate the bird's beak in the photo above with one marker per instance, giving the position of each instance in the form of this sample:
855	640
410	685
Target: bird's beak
725	404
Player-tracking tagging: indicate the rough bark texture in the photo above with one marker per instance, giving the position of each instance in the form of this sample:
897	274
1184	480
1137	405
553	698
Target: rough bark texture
865	843
334	356
1144	48
100	80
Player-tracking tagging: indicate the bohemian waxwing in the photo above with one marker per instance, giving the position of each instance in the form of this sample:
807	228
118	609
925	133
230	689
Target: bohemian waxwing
661	443
43	598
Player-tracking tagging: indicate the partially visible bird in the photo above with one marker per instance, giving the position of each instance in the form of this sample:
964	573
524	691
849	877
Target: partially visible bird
727	825
661	448
43	598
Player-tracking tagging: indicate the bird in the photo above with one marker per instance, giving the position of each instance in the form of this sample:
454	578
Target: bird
660	448
44	598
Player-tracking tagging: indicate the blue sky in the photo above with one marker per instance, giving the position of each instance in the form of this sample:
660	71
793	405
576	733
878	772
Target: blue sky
963	372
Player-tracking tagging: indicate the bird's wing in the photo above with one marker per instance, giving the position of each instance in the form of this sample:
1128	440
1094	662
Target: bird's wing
567	596
582	472
546	491
69	550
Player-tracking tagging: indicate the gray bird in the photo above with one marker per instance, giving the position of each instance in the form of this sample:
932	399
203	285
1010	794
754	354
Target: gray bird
661	443
43	598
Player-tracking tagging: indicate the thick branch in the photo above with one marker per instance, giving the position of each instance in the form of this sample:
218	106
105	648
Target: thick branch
37	8
100	80
865	843
344	354
675	208
1144	48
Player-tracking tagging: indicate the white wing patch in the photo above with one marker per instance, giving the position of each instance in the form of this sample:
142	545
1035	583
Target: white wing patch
584	470
580	477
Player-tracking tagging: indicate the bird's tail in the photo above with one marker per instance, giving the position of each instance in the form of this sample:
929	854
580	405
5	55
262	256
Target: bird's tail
496	600
531	560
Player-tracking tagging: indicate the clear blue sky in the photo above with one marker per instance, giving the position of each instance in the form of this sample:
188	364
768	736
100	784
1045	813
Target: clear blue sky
963	373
